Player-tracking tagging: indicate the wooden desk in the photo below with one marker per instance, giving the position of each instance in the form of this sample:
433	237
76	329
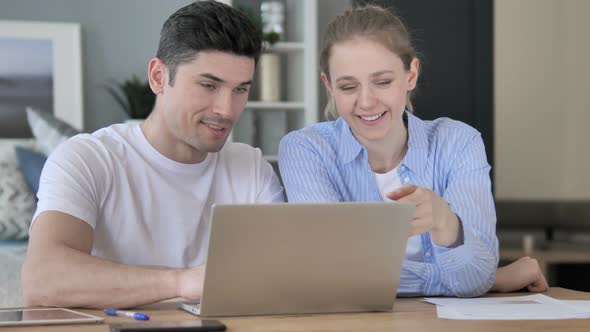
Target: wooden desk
409	315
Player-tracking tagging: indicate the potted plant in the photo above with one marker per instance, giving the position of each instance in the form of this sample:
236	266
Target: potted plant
269	25
271	126
134	96
269	36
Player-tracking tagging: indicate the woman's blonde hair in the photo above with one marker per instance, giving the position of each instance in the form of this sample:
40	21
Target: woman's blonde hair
374	22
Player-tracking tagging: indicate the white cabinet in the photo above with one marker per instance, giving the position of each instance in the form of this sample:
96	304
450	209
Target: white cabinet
264	122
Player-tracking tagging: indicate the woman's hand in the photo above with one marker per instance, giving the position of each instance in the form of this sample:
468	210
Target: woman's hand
525	272
432	214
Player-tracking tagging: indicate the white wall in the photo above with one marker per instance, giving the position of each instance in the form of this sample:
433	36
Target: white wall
542	108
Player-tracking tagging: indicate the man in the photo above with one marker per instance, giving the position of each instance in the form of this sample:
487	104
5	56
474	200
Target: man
124	213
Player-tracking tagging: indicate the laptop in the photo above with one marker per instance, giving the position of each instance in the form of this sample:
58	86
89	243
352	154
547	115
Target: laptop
292	258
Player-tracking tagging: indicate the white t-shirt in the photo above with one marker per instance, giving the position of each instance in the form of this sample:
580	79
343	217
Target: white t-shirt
146	209
387	183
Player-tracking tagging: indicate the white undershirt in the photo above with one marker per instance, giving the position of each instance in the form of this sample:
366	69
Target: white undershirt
387	183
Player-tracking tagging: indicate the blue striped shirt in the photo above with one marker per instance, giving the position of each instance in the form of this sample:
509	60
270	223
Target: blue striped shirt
325	163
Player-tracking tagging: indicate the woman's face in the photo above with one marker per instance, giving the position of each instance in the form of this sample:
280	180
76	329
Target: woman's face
369	85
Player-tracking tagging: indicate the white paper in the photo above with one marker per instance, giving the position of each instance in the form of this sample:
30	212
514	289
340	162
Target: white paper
536	298
580	306
536	306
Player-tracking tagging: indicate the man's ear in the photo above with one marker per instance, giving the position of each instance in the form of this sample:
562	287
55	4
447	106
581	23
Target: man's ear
327	83
414	72
157	75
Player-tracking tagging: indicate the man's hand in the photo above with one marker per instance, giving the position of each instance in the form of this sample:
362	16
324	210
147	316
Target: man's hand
525	272
190	282
432	215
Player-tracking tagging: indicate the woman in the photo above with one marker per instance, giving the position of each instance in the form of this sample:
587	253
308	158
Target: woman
378	150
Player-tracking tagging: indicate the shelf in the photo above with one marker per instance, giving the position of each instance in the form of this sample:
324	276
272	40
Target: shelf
266	119
285	47
276	105
271	158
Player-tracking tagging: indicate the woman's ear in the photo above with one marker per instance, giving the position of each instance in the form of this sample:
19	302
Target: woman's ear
413	74
327	83
157	75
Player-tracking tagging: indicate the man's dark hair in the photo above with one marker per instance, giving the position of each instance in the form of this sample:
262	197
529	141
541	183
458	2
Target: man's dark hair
206	26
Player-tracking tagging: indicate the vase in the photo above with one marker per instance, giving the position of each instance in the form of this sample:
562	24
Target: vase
269	77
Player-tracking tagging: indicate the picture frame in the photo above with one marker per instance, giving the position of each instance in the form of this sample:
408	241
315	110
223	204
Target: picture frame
65	80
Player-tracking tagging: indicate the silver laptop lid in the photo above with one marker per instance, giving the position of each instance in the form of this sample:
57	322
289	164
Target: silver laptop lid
304	258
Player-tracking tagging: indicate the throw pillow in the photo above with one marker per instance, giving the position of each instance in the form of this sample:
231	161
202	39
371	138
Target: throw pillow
48	130
31	164
7	145
17	203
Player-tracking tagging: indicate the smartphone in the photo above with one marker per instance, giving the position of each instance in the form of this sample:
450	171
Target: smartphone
185	325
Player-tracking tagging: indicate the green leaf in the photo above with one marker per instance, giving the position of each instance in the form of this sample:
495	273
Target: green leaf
134	96
271	37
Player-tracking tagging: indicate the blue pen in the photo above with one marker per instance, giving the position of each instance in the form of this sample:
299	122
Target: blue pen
131	314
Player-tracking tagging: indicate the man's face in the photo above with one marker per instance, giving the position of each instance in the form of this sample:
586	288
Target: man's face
206	99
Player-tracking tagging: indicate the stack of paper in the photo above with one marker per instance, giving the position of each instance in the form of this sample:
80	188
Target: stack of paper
510	308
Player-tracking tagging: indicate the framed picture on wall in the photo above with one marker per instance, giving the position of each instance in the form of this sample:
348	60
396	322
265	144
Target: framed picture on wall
41	67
